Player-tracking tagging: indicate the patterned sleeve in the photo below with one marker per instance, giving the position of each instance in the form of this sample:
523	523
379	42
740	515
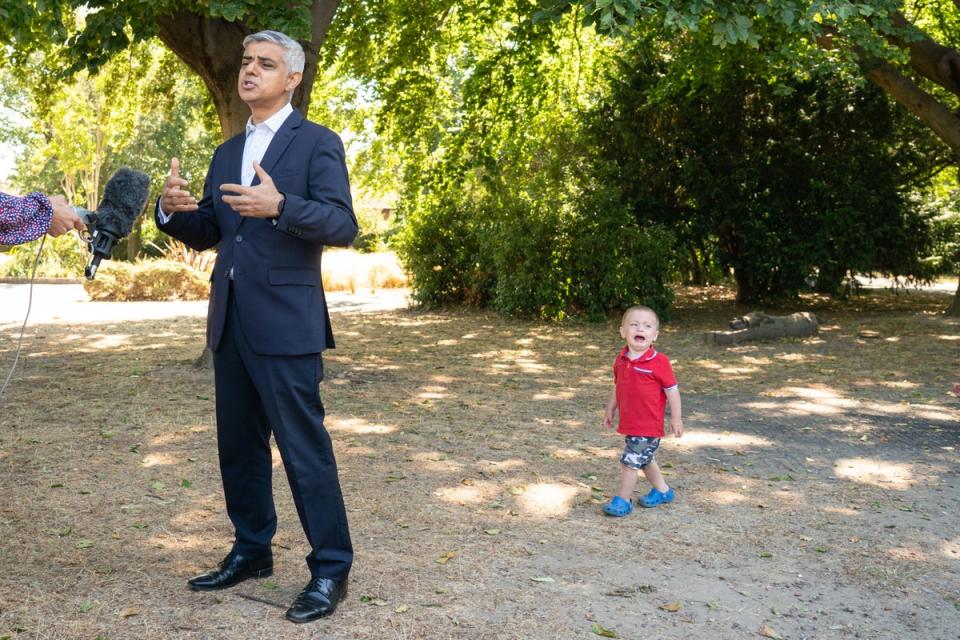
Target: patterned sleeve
24	219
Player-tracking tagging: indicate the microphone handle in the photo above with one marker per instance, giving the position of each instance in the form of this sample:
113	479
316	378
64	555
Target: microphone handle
84	214
91	271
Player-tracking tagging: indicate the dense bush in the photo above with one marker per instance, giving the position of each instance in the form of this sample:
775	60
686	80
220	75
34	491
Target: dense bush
771	182
546	257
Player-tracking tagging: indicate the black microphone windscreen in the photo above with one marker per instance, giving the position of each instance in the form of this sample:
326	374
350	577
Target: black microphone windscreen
124	197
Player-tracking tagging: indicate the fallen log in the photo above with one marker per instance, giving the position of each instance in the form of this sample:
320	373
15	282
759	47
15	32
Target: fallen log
761	326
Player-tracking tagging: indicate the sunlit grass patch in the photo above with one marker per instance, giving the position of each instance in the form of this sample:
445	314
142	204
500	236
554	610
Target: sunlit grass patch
348	270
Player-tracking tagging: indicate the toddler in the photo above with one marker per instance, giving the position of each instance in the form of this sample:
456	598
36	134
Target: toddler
643	385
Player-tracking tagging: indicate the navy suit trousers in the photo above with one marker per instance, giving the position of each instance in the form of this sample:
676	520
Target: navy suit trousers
259	394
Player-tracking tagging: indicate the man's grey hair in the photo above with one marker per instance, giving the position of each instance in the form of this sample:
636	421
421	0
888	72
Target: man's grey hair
292	51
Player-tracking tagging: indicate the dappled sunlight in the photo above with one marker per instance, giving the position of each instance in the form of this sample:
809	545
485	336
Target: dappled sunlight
177	436
724	496
908	554
358	426
842	511
433	393
725	440
111	341
880	473
813	400
730	370
547	499
436	461
555	395
950	338
926	412
177	543
795	408
898	384
157	459
568	454
474	493
951	548
797	357
189	519
531	366
499	466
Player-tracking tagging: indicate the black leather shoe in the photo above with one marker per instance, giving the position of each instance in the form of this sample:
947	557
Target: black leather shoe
234	569
318	599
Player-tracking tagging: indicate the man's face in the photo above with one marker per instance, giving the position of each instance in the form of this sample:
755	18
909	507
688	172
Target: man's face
264	81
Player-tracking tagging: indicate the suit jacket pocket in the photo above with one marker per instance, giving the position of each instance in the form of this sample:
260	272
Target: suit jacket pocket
307	277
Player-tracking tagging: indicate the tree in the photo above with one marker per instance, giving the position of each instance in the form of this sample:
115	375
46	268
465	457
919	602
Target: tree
775	182
207	36
901	51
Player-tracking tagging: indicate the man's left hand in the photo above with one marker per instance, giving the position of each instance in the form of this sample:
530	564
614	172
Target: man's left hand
260	201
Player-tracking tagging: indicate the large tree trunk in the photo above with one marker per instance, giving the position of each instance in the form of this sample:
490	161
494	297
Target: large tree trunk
954	309
212	47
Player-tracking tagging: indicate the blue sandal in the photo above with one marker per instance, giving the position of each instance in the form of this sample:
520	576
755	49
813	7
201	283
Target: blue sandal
656	498
617	507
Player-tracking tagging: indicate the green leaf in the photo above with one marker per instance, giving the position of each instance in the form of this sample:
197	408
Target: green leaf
604	632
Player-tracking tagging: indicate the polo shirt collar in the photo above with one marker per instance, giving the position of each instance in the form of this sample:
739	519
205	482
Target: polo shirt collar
273	122
646	356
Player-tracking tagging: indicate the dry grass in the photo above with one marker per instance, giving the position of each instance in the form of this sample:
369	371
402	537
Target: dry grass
817	483
348	270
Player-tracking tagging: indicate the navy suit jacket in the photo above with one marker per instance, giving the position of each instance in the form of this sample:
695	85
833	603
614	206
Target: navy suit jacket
275	267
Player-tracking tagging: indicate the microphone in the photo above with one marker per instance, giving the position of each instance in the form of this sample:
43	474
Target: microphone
124	197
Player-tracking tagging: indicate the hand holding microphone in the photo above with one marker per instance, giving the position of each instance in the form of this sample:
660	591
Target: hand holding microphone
65	218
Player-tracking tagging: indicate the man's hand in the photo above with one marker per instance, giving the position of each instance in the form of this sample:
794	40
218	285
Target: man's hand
64	217
261	201
175	197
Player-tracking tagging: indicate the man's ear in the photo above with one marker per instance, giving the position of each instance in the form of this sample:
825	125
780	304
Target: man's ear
293	80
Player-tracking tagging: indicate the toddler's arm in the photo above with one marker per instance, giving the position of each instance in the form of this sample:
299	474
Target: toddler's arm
676	413
611	409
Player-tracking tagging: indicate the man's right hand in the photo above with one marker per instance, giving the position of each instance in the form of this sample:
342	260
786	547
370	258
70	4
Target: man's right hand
175	197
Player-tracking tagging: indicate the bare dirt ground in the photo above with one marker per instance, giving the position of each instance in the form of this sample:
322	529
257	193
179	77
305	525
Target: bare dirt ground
817	483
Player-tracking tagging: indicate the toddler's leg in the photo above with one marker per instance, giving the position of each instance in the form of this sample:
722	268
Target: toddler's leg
628	481
654	477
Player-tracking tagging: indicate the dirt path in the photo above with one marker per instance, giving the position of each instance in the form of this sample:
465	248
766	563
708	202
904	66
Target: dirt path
817	484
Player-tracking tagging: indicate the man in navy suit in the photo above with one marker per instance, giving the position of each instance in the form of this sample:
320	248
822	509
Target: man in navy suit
273	197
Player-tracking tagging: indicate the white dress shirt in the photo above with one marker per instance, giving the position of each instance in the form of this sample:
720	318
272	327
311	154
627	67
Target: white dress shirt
258	139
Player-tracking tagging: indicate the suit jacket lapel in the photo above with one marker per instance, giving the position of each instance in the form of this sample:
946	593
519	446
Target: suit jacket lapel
281	140
233	155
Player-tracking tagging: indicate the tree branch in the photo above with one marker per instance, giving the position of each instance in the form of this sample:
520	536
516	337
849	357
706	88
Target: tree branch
931	59
322	12
945	123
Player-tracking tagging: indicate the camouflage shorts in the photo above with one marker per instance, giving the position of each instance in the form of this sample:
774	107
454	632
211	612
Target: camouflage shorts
639	451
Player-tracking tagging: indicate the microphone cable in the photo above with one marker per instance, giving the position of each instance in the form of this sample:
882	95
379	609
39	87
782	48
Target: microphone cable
23	328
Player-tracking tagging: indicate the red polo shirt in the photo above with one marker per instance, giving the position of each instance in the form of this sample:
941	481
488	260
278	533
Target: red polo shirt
640	392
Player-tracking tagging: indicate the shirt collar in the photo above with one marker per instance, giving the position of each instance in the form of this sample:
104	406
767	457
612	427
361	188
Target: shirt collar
272	123
646	356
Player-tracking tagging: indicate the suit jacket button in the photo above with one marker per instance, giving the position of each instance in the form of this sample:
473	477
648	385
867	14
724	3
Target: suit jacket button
239	238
